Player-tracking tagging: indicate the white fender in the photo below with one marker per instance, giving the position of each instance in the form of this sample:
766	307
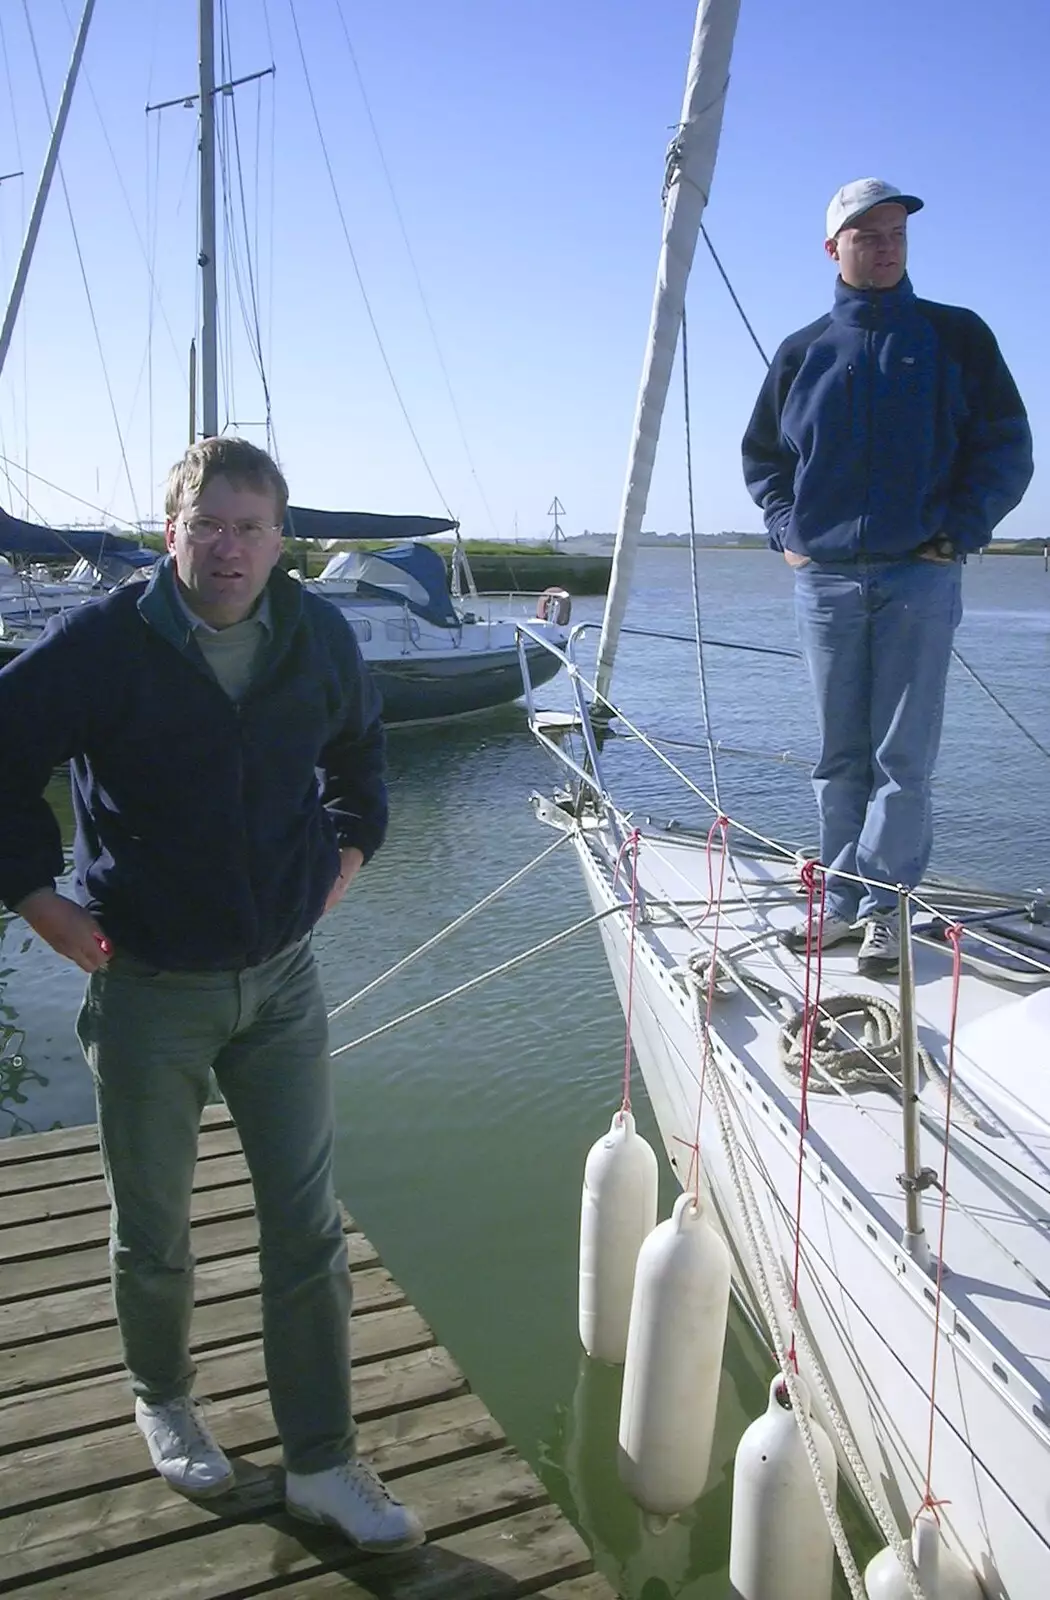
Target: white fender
780	1545
620	1181
674	1360
942	1575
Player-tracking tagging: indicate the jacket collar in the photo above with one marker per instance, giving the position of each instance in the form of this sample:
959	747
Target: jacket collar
868	308
159	606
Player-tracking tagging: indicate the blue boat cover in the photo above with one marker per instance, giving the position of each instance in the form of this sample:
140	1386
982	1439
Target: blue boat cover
302	523
425	567
19	538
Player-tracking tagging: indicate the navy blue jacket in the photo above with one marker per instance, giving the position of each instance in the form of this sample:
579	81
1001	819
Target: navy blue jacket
204	839
883	424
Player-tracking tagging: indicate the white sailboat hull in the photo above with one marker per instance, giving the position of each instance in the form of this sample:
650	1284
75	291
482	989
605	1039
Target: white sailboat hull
867	1308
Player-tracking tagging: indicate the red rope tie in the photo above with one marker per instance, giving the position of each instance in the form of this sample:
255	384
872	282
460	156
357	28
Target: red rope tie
692	1176
814	882
930	1504
953	935
631	843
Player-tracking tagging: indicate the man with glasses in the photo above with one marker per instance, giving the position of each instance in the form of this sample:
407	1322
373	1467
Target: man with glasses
198	711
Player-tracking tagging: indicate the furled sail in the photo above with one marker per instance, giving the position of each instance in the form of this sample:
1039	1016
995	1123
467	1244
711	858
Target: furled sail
690	167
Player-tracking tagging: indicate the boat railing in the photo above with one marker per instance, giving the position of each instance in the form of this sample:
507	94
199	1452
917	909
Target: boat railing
592	775
493	607
915	1178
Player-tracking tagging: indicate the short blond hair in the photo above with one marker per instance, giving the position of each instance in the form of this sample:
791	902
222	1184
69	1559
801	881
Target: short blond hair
235	459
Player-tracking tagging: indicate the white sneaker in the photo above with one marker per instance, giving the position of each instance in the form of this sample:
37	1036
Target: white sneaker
355	1500
880	951
835	930
182	1447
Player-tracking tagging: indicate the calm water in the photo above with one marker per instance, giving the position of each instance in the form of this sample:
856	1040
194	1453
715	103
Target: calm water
462	1135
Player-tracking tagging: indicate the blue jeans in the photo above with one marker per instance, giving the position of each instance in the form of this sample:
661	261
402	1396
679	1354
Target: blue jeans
877	640
151	1040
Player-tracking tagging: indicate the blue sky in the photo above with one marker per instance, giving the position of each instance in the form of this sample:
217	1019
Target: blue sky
526	142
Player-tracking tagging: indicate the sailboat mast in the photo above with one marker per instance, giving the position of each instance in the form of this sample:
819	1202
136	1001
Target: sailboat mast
50	162
209	275
690	168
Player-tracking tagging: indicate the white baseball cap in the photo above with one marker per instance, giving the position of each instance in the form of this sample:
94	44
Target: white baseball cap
853	199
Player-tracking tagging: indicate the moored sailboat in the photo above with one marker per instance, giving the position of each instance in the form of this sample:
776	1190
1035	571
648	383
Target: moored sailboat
877	1152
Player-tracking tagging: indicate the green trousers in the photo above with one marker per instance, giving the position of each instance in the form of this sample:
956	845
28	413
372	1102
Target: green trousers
152	1039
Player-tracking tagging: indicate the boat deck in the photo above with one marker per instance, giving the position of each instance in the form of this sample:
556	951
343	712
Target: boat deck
1000	1169
83	1514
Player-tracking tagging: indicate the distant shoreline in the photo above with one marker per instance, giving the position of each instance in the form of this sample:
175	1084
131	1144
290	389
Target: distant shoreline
998	547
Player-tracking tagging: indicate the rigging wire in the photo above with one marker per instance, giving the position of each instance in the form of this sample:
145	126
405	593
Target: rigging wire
152	230
697	626
31	510
129	206
415	268
273	198
225	329
733	294
252	322
357	269
83	270
996	701
23	318
6	461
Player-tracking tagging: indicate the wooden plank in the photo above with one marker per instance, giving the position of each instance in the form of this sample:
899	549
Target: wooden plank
494	1561
113	1516
48	1170
36	1362
43	1274
59	1315
113	1496
70	1409
225	1559
84	1516
27	1147
39	1472
66	1199
505	1558
59	1235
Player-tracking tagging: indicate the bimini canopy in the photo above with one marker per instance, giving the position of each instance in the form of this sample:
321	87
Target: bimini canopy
411	573
302	523
19	538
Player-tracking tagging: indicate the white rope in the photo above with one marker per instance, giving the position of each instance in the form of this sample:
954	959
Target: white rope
757	1241
446	932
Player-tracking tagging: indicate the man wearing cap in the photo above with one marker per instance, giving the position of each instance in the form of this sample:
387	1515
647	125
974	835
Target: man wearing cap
887	442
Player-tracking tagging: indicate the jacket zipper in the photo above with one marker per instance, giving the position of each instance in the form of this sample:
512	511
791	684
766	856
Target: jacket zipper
869	351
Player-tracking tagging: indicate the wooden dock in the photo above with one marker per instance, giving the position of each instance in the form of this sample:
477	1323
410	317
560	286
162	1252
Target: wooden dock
84	1516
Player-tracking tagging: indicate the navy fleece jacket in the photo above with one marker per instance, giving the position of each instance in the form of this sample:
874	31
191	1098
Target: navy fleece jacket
204	838
883	424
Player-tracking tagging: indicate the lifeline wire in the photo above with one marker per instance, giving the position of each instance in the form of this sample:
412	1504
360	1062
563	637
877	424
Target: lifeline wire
444	933
483	977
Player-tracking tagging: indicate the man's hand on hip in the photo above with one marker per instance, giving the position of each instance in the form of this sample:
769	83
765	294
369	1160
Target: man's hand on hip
67	928
793	559
351	861
938	549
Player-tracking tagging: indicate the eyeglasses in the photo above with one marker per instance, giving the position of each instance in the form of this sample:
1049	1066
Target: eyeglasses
208	530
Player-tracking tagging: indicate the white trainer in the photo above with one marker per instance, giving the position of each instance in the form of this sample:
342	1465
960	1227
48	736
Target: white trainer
355	1500
880	952
834	930
183	1448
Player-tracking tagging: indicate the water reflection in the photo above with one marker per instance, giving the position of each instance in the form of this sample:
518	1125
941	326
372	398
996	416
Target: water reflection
654	1558
17	1075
